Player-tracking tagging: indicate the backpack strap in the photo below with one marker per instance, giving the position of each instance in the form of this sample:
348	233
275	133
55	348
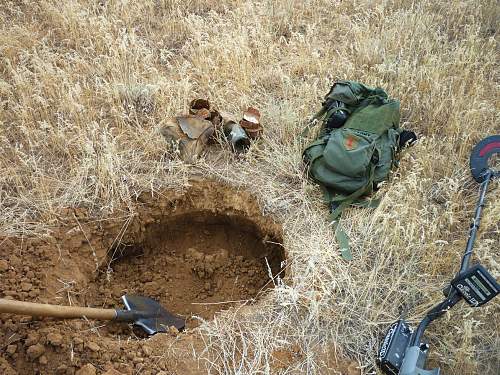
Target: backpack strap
314	121
343	241
345	201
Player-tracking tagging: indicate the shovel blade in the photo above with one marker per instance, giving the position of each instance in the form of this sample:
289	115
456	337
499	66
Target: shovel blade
151	317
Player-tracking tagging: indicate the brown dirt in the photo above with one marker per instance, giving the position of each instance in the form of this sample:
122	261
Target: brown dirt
190	249
191	263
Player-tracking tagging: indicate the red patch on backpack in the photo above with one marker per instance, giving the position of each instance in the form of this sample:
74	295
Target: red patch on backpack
350	143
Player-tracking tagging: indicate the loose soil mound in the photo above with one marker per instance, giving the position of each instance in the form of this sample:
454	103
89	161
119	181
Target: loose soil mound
196	251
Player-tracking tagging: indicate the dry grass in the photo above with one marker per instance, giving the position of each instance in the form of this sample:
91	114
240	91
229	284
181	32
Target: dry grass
84	85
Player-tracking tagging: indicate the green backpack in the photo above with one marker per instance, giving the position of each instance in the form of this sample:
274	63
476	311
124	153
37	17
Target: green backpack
349	161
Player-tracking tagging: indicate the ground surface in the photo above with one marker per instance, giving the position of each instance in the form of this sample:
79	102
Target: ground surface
88	186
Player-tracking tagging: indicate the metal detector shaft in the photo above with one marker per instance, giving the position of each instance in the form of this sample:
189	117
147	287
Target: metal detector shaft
452	295
476	221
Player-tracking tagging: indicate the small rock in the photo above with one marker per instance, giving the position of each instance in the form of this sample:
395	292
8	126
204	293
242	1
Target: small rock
93	346
35	351
11	349
43	360
88	369
4	265
54	339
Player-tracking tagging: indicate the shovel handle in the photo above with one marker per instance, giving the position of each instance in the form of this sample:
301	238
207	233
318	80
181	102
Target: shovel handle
54	311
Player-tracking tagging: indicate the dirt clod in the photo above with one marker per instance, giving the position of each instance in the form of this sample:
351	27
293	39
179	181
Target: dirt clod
35	351
4	265
11	349
88	369
54	338
92	346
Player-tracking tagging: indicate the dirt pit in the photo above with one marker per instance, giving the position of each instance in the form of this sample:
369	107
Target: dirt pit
194	264
197	250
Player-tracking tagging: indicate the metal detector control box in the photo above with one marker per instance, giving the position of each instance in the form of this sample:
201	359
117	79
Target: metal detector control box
393	348
476	285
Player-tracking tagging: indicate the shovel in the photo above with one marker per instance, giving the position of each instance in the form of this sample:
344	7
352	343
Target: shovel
141	311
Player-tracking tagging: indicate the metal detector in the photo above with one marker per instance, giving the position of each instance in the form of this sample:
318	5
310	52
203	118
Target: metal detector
403	352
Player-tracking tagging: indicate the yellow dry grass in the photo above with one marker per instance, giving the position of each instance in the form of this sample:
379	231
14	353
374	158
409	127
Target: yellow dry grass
85	84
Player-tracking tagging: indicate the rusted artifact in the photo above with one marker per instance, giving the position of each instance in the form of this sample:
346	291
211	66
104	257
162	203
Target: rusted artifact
236	136
251	123
191	134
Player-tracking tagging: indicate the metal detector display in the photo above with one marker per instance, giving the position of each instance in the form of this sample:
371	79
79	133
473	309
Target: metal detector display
476	285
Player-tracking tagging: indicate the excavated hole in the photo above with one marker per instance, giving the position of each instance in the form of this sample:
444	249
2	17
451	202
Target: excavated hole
195	262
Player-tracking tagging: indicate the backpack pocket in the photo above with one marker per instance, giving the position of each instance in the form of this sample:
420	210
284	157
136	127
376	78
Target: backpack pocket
314	150
386	151
349	152
343	91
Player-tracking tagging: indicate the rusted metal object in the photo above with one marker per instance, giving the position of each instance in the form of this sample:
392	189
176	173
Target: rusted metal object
236	136
190	133
251	123
201	108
